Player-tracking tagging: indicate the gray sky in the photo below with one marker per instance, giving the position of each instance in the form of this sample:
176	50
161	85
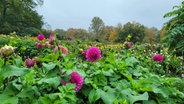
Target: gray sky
64	14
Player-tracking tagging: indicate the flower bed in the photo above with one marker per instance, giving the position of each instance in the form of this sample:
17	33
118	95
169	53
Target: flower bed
79	73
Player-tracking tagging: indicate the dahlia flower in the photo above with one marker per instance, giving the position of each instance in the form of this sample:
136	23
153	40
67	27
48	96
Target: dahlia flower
128	44
6	50
51	39
47	44
158	58
63	49
29	62
77	79
39	46
93	54
40	37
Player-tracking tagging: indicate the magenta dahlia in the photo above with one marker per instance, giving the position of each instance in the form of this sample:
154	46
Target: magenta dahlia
77	79
40	37
29	62
39	46
158	58
51	39
93	54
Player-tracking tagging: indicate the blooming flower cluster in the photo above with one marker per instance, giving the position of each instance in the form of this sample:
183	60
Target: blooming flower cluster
93	54
29	63
77	79
158	58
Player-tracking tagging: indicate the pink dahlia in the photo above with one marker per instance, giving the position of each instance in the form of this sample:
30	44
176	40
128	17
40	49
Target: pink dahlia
47	44
55	49
158	57
63	49
29	62
51	39
77	79
93	54
128	44
39	46
40	37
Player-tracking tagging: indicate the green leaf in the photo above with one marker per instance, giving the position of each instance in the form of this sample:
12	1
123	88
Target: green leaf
28	92
141	97
53	82
129	95
131	61
49	66
100	80
18	62
149	102
107	99
11	70
1	63
29	77
44	100
93	96
5	99
109	72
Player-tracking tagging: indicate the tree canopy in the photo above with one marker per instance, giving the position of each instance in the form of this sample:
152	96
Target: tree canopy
175	29
17	15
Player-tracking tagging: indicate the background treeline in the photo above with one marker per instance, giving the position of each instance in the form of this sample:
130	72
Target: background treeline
102	33
21	17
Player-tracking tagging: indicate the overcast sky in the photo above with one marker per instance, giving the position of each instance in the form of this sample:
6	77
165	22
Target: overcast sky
64	14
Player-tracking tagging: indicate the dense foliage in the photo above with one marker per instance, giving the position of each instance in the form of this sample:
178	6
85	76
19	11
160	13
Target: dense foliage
175	29
19	16
121	73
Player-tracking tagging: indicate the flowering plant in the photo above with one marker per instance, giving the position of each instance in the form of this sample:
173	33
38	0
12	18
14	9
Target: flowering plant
93	54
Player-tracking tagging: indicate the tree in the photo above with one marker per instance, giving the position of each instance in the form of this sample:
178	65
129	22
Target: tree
135	29
175	29
80	34
151	34
16	15
97	27
112	37
162	34
60	33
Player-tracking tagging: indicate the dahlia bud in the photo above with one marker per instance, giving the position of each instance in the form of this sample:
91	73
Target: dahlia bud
63	49
51	39
6	50
128	44
47	44
29	62
39	46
